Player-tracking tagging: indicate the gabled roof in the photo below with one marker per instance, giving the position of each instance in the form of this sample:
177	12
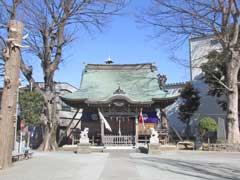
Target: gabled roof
102	83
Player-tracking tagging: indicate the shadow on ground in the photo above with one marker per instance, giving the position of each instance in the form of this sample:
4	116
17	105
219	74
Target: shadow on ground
143	150
194	169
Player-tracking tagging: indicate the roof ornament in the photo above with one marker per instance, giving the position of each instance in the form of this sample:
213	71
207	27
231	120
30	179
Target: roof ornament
162	79
119	90
109	60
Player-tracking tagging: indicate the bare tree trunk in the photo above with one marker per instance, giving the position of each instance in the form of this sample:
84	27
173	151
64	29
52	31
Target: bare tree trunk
9	97
232	115
49	142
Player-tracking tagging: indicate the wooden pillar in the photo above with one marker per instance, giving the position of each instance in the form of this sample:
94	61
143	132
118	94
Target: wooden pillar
73	140
92	140
102	130
136	130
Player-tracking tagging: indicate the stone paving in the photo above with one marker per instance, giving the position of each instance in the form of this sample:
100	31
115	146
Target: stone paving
126	165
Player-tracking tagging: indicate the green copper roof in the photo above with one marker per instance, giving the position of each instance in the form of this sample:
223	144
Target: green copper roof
134	82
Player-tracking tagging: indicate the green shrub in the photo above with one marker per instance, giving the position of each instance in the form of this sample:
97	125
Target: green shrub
207	124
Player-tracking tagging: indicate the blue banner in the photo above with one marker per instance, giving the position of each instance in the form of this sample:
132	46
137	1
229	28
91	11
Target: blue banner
150	117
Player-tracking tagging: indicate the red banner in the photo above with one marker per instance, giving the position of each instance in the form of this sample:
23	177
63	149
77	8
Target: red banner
22	124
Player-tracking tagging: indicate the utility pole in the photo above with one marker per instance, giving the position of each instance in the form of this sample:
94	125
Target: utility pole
12	59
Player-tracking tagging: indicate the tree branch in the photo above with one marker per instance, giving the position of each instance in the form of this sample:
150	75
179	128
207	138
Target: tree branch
221	83
27	72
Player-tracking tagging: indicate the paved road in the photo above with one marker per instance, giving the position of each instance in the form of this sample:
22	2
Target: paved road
189	166
120	167
126	166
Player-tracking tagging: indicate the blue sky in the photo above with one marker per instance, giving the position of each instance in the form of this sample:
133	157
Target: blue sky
125	41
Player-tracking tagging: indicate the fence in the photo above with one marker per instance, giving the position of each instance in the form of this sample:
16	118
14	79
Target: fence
118	140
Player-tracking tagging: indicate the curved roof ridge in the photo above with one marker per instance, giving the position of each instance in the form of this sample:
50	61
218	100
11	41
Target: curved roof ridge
131	64
136	83
176	84
141	66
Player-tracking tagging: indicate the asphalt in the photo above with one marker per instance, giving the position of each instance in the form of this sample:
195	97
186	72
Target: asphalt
126	165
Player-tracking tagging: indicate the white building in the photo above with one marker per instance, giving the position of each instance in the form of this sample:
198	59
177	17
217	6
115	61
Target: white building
199	49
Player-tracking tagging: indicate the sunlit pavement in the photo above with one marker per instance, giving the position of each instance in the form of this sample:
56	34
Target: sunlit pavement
127	165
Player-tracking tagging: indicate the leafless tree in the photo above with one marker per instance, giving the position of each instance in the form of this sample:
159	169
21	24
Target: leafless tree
10	54
49	24
199	18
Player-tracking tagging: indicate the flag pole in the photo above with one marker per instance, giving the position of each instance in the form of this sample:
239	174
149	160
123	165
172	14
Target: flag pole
141	116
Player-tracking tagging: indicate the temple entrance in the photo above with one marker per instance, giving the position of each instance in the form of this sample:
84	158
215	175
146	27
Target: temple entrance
121	126
123	131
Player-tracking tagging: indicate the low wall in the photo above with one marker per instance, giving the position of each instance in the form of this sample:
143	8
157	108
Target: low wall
224	147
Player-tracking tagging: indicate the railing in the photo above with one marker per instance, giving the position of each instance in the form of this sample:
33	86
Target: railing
163	132
163	136
118	140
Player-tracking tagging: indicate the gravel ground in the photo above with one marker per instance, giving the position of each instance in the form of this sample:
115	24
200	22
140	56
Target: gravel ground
126	165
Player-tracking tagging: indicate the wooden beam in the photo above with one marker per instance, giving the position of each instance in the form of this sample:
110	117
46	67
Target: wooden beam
176	132
69	125
74	127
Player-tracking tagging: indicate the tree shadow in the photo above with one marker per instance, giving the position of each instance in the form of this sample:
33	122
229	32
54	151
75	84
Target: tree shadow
195	169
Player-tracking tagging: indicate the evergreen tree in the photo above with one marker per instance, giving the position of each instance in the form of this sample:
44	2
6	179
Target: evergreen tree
31	106
190	103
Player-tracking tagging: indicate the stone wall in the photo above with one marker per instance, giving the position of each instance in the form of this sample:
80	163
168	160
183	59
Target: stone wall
224	147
